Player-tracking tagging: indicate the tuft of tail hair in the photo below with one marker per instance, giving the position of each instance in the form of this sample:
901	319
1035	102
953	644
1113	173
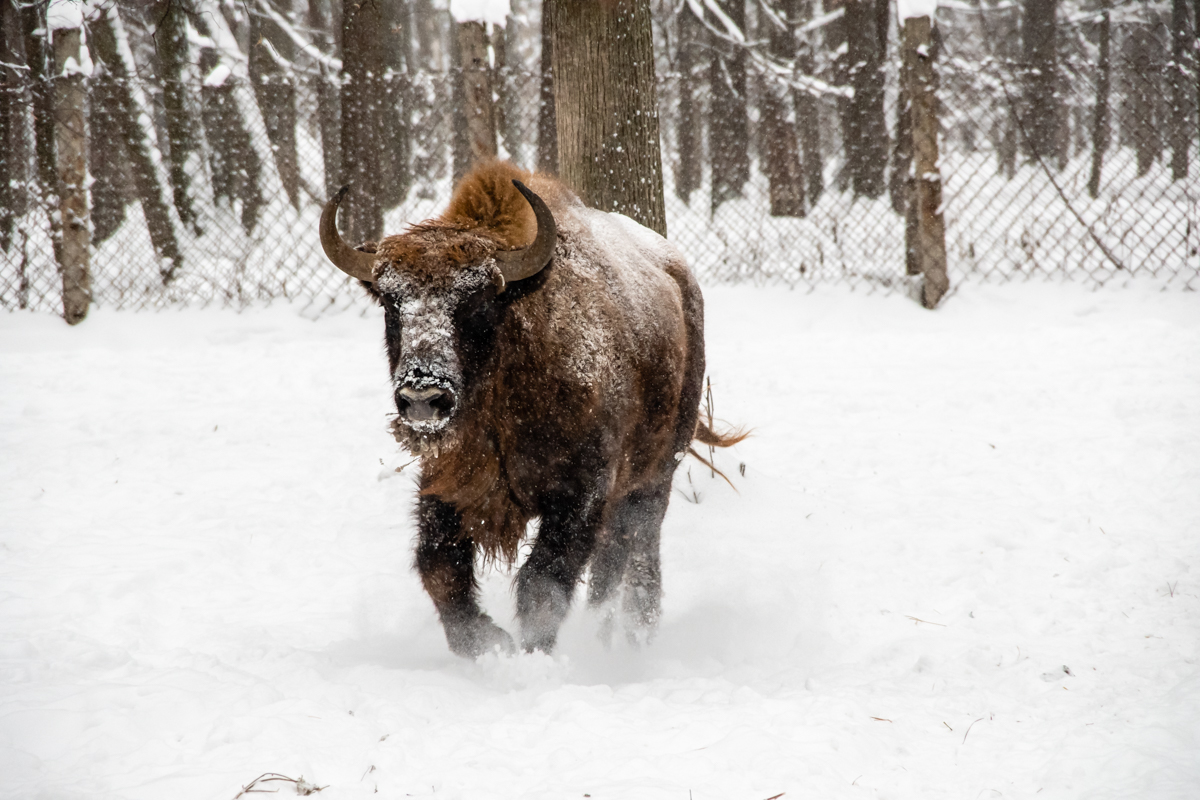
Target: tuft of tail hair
707	435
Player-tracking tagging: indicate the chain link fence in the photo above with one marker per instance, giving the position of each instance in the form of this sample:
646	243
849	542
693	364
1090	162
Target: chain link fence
1015	210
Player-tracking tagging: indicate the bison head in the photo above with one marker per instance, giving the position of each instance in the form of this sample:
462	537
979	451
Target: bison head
440	285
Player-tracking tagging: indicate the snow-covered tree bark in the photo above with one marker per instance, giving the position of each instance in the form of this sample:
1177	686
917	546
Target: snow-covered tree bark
362	94
477	89
272	54
1183	109
12	117
605	99
324	86
171	38
729	120
71	68
107	34
927	253
864	124
689	37
781	151
547	128
808	116
1100	124
1039	30
37	59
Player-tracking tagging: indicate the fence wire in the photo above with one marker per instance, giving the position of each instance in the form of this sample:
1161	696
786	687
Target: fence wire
1104	200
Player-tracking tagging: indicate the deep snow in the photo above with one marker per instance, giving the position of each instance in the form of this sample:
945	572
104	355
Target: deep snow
205	548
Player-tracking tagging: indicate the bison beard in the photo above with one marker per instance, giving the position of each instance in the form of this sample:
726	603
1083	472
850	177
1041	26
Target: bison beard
546	360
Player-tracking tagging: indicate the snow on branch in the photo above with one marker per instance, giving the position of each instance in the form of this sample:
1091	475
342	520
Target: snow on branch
307	47
768	66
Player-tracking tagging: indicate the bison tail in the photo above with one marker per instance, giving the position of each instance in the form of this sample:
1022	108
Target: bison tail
706	434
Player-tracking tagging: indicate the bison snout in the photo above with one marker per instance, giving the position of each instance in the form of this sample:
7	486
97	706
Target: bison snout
424	405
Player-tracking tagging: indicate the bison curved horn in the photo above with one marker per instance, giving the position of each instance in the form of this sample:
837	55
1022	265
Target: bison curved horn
354	263
517	265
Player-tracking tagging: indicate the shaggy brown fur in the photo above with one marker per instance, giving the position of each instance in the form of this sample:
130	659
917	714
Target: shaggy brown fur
576	392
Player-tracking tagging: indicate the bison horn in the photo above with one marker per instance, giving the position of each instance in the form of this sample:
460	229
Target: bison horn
354	263
517	265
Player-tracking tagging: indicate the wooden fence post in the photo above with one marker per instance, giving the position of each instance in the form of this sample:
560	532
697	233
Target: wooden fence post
70	99
928	251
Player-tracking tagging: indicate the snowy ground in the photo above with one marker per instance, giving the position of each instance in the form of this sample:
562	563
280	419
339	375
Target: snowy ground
960	566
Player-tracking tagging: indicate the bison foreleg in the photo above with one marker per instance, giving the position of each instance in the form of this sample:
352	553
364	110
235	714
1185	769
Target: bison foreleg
546	582
446	564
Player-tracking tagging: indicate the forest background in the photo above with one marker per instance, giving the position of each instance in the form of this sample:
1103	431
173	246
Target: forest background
182	149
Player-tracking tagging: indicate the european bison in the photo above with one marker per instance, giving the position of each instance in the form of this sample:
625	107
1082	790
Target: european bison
547	361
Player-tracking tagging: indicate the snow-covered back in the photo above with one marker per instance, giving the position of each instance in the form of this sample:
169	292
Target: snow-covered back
959	565
494	12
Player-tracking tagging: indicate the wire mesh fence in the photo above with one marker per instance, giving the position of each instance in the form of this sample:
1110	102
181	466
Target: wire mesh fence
1098	193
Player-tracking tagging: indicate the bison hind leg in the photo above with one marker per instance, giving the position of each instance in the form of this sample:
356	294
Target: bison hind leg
629	559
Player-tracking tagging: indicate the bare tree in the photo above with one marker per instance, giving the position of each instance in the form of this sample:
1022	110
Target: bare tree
1040	42
272	53
1101	132
12	118
864	124
606	104
547	158
729	120
780	147
1183	57
70	131
689	37
171	38
107	36
362	94
37	59
477	89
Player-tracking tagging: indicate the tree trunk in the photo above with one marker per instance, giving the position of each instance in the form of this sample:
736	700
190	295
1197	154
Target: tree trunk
900	186
687	125
37	58
781	150
478	107
607	108
729	122
461	138
395	109
808	119
1182	109
1040	43
547	159
107	161
505	44
236	167
275	90
362	92
328	103
70	98
865	123
172	41
1100	135
12	172
1139	121
107	35
928	250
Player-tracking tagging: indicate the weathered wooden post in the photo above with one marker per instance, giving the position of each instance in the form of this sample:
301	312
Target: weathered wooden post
71	67
926	243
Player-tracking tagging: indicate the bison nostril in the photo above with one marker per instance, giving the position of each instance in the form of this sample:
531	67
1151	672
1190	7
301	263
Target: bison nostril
421	405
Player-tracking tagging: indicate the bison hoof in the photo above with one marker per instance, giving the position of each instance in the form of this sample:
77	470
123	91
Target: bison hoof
480	637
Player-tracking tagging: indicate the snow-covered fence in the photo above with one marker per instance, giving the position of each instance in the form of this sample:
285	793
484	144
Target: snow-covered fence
1064	209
